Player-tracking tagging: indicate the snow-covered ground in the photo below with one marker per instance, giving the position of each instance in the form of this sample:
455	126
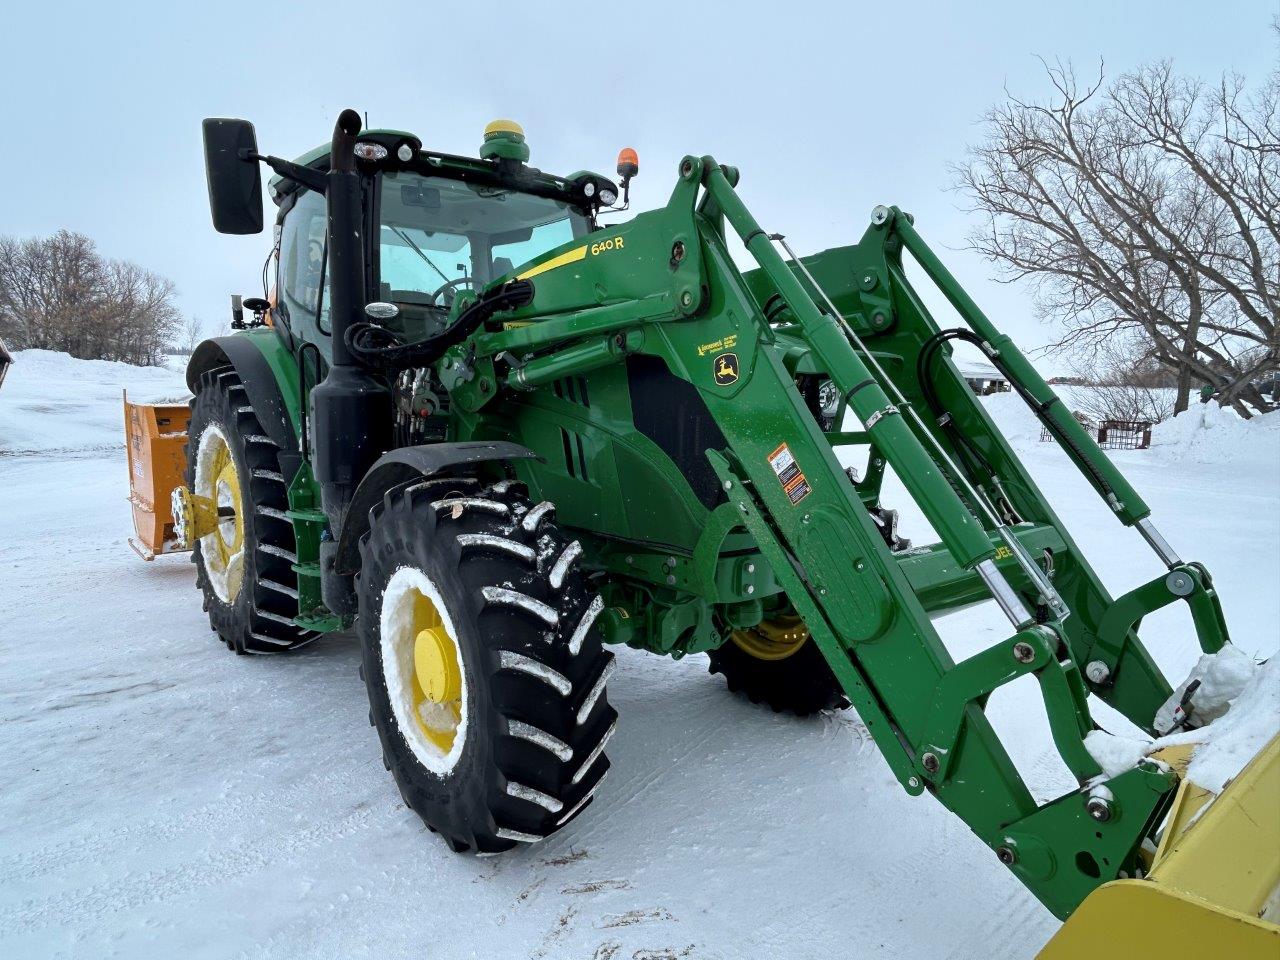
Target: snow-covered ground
162	798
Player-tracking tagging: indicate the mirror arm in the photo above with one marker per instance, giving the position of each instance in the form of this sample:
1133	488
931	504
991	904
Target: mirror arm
307	177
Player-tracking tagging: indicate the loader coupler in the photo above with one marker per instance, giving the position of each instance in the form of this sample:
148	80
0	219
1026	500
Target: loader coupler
1213	884
155	442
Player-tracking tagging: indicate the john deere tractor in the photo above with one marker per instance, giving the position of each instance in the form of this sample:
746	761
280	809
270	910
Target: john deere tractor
500	438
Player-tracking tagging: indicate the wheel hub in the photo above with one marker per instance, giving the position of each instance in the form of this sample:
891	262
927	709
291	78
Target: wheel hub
435	660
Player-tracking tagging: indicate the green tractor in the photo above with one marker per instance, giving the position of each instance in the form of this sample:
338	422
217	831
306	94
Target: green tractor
499	438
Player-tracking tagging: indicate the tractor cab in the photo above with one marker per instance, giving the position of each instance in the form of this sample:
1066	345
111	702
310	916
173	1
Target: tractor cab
438	225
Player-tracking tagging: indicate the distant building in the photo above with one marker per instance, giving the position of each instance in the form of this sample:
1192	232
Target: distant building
982	377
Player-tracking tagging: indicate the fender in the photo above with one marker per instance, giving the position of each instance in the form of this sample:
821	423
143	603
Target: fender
261	385
403	465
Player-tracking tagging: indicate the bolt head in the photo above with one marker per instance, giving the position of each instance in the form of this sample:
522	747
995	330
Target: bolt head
671	580
880	215
1023	652
751	588
751	568
913	782
728	484
1097	671
1006	855
930	762
1099	809
686	299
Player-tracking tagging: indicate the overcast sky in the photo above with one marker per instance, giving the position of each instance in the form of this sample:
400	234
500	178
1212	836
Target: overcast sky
827	108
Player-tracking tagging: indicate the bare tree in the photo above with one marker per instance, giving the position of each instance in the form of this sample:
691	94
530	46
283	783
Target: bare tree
59	293
1121	383
191	333
1147	207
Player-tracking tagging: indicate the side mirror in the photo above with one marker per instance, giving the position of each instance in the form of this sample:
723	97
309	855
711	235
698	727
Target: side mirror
231	166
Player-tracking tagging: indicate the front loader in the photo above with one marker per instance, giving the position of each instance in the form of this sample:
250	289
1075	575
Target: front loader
498	437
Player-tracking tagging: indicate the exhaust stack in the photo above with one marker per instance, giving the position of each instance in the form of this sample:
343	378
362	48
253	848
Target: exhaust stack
351	409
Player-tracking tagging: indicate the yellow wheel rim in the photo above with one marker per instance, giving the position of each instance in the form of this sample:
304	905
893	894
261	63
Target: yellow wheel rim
423	668
218	479
773	639
437	675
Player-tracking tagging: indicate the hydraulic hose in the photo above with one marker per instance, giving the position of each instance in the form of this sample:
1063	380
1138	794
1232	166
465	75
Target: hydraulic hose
930	394
373	345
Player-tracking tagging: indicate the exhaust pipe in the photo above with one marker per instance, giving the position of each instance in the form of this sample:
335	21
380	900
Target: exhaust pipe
351	409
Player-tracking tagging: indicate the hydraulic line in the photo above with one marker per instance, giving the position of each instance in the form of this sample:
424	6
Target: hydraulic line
1048	593
376	346
959	333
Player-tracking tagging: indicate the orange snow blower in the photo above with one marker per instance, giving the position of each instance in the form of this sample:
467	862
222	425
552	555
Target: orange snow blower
155	440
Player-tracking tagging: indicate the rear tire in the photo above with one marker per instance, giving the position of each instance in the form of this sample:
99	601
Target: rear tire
801	682
251	606
515	749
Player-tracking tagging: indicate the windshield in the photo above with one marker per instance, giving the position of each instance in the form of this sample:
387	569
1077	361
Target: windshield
438	236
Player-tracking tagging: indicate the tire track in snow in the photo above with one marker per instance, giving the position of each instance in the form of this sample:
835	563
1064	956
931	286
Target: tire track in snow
213	819
210	868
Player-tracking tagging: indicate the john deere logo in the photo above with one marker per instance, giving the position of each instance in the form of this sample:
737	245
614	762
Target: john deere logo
726	368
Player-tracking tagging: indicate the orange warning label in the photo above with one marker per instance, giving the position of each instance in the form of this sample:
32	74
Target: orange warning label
789	474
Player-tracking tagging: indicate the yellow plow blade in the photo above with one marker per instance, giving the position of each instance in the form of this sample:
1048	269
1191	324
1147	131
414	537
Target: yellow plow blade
1211	890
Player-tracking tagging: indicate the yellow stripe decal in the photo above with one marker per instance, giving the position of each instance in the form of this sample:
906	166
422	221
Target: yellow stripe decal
573	256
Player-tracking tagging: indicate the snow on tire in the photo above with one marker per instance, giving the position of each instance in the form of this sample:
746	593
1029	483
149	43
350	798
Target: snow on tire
512	747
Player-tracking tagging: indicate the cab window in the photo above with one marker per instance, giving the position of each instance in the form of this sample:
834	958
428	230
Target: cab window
302	256
438	236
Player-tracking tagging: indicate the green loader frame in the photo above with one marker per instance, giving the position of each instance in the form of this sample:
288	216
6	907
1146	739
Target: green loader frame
654	393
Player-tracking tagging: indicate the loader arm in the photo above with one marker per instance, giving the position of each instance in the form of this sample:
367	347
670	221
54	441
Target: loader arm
665	286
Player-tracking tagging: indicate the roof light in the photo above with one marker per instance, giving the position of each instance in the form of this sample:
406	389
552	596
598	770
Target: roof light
370	151
589	189
405	152
628	163
608	197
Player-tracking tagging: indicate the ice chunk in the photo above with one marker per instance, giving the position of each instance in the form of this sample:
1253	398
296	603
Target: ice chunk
1222	675
1115	754
1234	740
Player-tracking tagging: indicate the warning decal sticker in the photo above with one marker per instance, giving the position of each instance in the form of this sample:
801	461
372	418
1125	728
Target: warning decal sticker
789	475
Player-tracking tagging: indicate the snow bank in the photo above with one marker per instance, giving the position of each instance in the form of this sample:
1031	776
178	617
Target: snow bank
1242	701
52	402
1208	433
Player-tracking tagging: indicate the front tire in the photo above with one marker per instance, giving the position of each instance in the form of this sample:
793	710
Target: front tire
485	672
